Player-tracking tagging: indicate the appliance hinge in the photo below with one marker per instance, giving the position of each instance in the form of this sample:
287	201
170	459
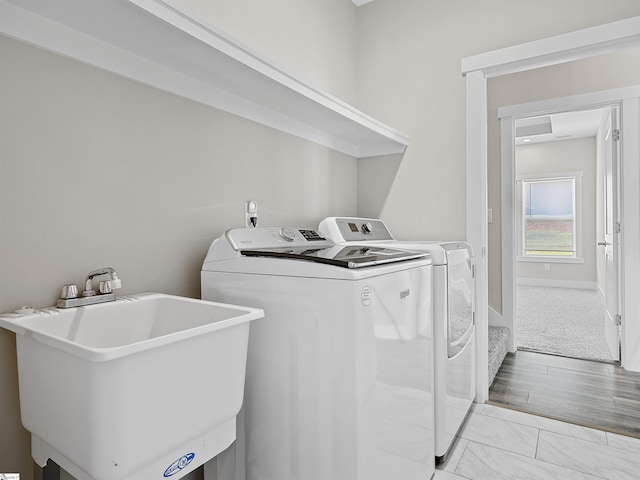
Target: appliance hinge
616	135
618	319
617	227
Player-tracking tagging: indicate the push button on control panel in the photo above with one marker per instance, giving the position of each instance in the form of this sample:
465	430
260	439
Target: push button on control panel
312	235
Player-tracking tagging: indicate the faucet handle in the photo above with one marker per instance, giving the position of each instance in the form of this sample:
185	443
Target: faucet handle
69	291
105	286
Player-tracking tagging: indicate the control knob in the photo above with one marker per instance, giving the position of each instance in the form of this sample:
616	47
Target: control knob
288	234
367	227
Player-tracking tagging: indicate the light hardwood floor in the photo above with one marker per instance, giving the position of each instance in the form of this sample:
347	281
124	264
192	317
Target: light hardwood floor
593	394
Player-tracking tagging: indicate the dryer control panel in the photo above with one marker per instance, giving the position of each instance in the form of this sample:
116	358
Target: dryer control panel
352	229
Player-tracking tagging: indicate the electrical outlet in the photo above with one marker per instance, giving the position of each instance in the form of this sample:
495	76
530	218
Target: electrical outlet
547	267
250	213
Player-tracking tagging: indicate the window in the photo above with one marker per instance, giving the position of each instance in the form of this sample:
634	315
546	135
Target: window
549	217
549	220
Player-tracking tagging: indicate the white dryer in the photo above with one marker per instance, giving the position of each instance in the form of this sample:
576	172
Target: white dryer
454	330
339	382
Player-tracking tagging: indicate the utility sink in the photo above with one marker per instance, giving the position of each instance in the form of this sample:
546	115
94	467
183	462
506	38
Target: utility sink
147	386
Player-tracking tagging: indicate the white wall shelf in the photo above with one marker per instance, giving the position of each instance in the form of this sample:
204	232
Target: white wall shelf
153	42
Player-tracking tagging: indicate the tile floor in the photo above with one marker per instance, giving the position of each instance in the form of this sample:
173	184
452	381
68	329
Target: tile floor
501	444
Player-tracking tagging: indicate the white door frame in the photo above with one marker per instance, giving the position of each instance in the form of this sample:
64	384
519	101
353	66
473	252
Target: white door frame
611	204
528	56
508	115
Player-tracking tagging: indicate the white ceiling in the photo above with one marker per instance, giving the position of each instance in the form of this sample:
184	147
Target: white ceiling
566	125
357	3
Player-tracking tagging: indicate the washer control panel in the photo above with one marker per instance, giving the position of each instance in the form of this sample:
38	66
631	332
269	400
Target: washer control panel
289	234
276	237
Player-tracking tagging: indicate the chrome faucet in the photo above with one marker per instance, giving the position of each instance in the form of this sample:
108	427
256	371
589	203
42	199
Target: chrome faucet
70	296
105	286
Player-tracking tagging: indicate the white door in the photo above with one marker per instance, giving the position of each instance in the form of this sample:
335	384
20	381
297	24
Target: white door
611	243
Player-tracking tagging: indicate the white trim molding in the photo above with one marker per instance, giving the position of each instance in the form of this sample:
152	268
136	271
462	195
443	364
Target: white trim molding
477	232
545	282
563	48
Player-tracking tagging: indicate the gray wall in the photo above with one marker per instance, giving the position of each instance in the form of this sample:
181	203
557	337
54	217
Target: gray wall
577	155
409	77
97	170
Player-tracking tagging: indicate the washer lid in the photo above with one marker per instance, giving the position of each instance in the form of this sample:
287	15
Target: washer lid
351	256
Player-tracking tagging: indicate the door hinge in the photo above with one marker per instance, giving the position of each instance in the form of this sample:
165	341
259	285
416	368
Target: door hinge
617	227
618	319
616	135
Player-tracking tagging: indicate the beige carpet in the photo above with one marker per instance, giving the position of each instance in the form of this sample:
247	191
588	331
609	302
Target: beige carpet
562	321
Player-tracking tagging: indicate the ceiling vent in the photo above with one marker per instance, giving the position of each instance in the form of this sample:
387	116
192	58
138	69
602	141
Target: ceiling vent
528	127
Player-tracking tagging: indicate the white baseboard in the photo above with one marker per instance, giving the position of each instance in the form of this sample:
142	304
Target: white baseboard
601	294
543	282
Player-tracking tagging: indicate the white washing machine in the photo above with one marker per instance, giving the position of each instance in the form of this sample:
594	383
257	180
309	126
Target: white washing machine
339	382
454	330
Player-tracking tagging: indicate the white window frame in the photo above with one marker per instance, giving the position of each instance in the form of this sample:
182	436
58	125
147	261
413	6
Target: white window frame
577	257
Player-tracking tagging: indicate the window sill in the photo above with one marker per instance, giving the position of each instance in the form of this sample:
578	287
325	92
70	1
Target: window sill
542	259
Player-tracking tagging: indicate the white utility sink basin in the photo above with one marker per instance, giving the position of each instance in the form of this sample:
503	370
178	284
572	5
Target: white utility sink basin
145	387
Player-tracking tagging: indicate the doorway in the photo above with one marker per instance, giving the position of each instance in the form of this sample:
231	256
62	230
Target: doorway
564	186
560	197
583	44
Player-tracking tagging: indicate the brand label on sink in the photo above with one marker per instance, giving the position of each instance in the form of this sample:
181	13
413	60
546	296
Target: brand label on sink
179	464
